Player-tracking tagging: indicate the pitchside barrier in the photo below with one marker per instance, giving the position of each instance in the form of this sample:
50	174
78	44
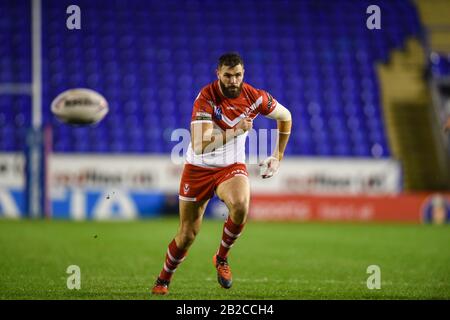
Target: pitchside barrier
410	208
306	189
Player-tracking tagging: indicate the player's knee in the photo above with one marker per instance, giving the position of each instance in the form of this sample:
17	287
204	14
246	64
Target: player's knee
239	206
185	241
187	236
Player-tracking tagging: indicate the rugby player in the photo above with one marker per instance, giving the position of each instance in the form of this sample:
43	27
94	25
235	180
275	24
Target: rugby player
222	115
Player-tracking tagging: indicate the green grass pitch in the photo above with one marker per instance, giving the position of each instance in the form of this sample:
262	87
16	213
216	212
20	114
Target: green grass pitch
271	260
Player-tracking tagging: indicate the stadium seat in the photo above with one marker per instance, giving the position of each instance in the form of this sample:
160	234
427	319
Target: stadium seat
151	70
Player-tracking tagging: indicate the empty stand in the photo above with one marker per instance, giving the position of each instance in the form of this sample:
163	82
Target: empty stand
151	58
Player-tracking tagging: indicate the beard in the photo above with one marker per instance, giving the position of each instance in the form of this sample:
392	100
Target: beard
231	92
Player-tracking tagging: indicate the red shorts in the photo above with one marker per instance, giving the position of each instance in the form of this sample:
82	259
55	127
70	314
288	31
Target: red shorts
198	183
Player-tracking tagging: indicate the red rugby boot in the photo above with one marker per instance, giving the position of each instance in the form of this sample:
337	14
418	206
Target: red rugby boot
223	272
161	287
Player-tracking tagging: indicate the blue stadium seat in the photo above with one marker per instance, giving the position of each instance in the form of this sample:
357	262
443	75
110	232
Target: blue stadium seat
151	64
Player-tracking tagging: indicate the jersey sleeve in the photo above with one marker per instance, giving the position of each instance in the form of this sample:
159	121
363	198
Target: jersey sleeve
202	110
268	103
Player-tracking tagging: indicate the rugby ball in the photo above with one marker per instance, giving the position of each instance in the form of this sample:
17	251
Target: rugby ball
80	106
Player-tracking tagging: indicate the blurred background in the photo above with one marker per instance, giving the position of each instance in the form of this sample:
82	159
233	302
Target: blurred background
369	91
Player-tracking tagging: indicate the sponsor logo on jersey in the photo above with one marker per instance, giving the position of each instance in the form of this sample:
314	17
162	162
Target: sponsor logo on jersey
202	116
256	104
217	113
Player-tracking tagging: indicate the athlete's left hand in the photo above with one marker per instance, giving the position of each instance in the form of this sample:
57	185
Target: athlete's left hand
269	167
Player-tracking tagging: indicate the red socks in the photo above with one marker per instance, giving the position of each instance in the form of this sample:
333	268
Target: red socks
230	233
174	257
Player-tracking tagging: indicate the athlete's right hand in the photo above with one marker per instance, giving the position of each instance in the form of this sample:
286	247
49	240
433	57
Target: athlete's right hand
245	124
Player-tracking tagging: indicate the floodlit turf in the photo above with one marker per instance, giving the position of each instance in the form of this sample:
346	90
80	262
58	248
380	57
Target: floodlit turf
120	260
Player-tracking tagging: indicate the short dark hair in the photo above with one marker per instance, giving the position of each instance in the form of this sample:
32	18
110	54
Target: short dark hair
230	59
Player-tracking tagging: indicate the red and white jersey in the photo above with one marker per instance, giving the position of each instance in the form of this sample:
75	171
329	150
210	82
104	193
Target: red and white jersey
225	113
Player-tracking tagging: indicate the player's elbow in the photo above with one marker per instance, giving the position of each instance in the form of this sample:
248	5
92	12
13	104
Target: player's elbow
285	115
281	113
